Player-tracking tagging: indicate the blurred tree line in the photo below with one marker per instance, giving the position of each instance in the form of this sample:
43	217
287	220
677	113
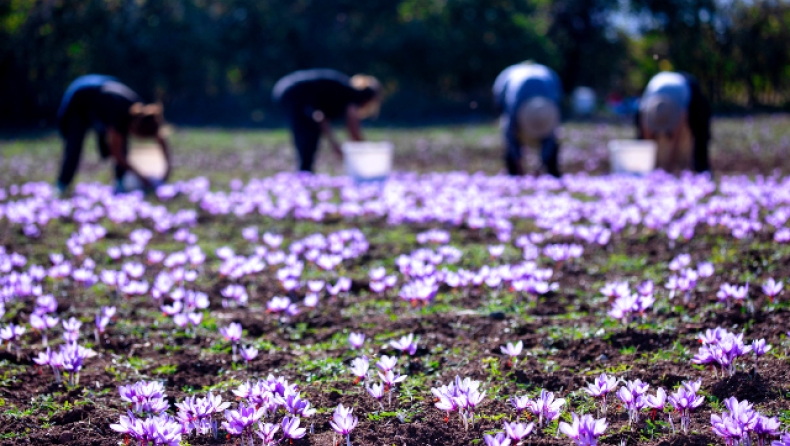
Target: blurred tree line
215	61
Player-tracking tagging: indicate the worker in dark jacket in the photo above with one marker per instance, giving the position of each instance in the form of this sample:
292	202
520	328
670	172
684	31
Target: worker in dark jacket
674	112
115	112
313	98
528	96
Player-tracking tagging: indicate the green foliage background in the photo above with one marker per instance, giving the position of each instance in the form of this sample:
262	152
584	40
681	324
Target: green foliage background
213	61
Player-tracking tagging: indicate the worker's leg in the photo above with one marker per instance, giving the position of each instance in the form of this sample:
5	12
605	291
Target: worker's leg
549	153
102	144
306	134
73	130
512	146
699	123
701	142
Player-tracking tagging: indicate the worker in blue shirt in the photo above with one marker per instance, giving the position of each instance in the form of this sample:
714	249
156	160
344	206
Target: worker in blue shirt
528	95
674	111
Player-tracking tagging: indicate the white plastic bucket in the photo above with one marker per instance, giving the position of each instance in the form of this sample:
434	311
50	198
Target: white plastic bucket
367	160
149	160
632	156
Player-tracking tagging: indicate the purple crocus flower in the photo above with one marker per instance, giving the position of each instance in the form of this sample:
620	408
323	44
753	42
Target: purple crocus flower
391	378
71	329
759	347
282	305
584	431
657	401
518	431
600	389
240	421
386	363
11	334
343	422
291	429
72	356
356	340
499	439
249	353
512	351
520	403
266	432
765	429
546	407
632	397
785	440
295	405
233	334
405	344
705	269
42	323
377	392
772	288
722	348
359	367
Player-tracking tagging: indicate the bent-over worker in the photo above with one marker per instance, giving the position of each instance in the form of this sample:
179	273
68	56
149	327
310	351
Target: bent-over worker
313	98
528	95
674	113
114	111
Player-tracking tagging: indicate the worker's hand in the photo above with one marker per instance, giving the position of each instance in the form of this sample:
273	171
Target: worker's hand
148	184
318	116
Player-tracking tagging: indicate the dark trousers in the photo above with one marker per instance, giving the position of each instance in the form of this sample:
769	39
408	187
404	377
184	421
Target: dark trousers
549	155
699	116
73	129
306	134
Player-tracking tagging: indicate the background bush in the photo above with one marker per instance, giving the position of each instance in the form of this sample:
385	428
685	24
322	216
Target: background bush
214	62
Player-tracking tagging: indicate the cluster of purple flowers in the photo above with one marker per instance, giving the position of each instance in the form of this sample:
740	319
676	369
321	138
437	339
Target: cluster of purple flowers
406	344
196	414
380	281
267	398
388	377
626	305
159	430
601	388
234	295
584	430
722	348
462	395
772	288
733	293
426	270
68	358
632	395
685	279
684	401
145	397
740	422
513	434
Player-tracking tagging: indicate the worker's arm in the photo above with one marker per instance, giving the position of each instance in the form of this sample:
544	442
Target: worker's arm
646	133
166	150
675	151
326	130
116	142
353	125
